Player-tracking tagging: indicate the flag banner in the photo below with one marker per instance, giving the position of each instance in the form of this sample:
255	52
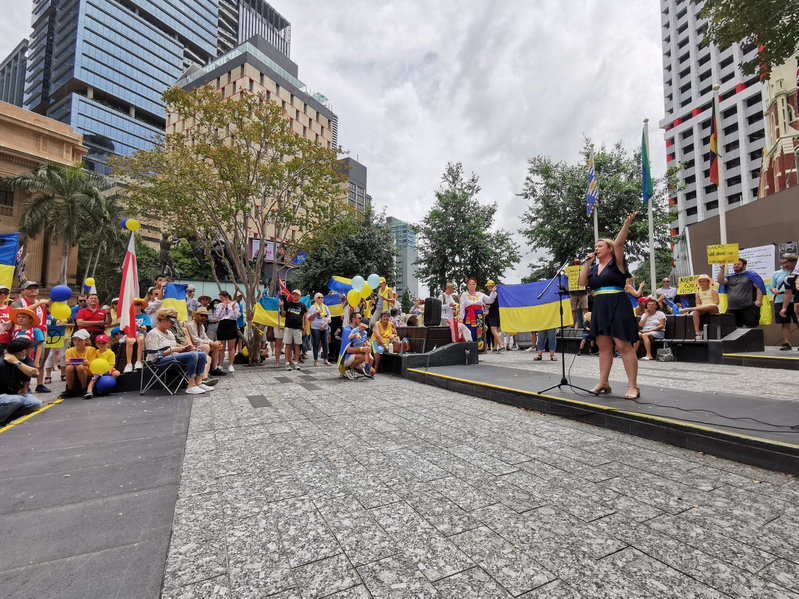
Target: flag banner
175	297
8	258
714	158
267	312
521	310
646	169
592	196
334	305
283	289
129	290
340	285
306	301
765	308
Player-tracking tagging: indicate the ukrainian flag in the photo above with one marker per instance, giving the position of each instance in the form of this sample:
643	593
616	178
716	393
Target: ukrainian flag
765	307
8	258
521	310
267	312
340	285
175	297
334	305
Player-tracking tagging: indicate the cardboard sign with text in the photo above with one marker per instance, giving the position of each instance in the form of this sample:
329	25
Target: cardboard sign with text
726	253
573	272
687	285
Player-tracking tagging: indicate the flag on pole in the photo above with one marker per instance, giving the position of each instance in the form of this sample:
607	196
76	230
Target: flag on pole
175	297
646	169
340	284
714	159
267	312
283	289
592	196
129	290
8	258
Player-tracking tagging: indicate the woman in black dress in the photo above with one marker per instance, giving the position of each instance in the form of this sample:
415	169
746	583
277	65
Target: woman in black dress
612	319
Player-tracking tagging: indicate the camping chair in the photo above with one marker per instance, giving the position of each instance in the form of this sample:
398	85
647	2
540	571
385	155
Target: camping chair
170	375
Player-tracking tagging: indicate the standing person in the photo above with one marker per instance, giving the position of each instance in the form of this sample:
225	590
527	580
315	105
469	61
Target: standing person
707	302
745	290
385	301
320	318
492	318
652	325
294	312
548	335
112	316
448	302
92	317
227	313
612	320
54	356
633	292
29	298
6	326
471	304
788	262
28	327
578	298
192	303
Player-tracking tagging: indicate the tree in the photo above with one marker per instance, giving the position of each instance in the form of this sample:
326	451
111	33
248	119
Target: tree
66	202
356	246
188	264
235	174
455	237
773	24
556	222
108	272
406	301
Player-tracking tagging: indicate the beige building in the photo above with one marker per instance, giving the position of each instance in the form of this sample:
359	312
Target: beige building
27	140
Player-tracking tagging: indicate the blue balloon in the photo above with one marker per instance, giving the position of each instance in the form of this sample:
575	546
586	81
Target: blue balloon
60	293
373	281
106	383
124	223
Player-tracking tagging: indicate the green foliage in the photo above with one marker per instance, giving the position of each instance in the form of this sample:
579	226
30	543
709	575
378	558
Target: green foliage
455	237
187	263
108	272
663	269
556	222
407	301
356	246
773	24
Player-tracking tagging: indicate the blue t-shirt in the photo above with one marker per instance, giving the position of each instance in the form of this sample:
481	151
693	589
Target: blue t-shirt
54	331
35	334
143	320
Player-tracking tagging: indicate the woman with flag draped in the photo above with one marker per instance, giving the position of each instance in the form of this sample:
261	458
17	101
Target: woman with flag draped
472	302
612	321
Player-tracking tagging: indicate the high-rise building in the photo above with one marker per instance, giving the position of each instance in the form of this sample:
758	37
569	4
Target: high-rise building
690	70
12	75
405	241
102	65
356	183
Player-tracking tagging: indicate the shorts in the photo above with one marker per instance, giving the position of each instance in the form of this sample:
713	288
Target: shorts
746	317
655	334
788	318
579	301
292	336
349	360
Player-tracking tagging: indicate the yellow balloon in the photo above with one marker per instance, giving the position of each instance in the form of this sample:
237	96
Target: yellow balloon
353	297
60	310
245	351
89	282
132	224
366	291
99	366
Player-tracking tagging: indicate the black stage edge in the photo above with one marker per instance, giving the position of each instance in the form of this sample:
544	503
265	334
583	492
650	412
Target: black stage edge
775	450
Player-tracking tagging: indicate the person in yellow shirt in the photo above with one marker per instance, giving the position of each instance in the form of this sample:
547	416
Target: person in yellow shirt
103	352
78	358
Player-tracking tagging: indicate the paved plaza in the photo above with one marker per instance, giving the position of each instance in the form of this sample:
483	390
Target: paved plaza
300	484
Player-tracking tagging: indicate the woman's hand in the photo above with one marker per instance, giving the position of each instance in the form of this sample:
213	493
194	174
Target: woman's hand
630	218
590	257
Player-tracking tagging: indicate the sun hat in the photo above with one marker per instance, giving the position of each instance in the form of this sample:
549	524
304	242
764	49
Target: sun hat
16	311
201	310
143	303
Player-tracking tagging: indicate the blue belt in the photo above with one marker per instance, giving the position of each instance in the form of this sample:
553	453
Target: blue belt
603	290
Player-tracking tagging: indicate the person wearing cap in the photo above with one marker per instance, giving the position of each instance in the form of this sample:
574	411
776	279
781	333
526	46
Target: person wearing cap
6	325
28	327
227	312
319	316
745	291
104	352
707	302
192	303
78	358
161	341
295	314
16	370
92	317
385	301
788	263
471	304
196	328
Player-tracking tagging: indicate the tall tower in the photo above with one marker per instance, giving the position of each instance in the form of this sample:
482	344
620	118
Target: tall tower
405	241
689	72
12	75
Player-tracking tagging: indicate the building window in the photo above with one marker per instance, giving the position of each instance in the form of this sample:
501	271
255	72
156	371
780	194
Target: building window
6	197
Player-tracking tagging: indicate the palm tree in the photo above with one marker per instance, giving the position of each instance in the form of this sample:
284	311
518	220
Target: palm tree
66	203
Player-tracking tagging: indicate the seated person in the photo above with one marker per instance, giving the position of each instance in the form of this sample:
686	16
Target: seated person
354	351
16	370
707	302
384	336
196	328
143	325
587	338
78	358
640	307
162	348
104	352
651	324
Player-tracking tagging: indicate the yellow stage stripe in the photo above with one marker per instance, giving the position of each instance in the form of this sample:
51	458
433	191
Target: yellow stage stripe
612	409
759	357
24	418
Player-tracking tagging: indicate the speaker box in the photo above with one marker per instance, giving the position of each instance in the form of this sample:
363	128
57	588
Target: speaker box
432	312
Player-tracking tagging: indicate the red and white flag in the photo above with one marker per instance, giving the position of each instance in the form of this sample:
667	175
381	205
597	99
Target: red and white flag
129	291
283	289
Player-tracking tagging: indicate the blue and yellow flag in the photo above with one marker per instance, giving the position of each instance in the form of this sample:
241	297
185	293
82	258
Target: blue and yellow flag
266	312
334	305
592	196
340	285
521	310
175	297
765	307
8	258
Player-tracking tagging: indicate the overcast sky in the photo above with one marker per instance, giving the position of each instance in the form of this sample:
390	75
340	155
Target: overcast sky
417	84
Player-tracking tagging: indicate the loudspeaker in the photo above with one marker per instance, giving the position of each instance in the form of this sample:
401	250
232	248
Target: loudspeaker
432	312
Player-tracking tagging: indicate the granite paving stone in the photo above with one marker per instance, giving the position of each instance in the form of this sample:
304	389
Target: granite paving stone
396	578
471	584
326	576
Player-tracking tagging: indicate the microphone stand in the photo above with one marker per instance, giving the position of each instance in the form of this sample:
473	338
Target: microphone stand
561	292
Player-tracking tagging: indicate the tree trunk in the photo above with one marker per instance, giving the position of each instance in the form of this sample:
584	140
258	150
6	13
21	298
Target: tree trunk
88	264
64	258
97	259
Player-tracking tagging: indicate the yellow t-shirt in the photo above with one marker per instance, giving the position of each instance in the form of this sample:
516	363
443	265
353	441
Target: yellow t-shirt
107	355
90	353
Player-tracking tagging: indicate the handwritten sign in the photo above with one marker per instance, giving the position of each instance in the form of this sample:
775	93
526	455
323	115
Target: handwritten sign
687	285
726	253
573	272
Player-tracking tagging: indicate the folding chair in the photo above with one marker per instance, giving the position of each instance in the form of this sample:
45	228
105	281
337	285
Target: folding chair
170	375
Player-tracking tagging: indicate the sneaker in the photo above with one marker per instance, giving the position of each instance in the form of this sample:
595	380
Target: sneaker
128	368
514	346
367	372
231	369
296	365
288	366
42	389
205	387
209	382
217	372
785	347
196	390
88	395
316	363
579	352
138	365
351	374
529	348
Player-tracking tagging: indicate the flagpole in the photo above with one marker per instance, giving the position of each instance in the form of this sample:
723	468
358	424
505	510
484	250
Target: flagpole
721	196
650	213
596	218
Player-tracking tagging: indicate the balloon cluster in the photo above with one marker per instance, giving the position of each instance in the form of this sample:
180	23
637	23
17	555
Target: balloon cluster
362	288
88	283
59	295
130	224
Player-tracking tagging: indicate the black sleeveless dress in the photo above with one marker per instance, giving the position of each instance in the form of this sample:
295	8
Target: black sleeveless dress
612	314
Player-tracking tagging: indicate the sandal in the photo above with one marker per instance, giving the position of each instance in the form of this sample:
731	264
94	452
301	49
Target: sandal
553	358
537	358
47	380
630	395
601	387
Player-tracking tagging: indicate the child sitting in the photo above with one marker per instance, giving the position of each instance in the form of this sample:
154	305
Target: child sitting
78	358
105	353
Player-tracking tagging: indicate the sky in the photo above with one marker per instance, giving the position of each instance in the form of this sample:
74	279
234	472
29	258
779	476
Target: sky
417	84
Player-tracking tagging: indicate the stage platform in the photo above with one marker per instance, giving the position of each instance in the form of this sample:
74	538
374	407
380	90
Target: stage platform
752	430
770	357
